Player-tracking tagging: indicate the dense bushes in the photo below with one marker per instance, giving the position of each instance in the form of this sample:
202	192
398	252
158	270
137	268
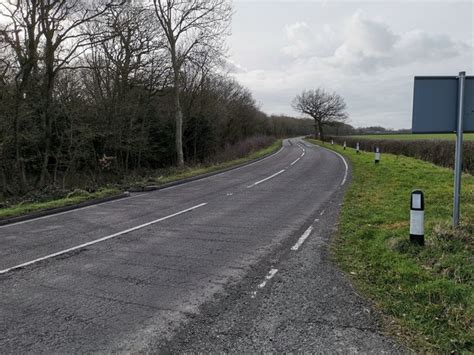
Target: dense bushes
439	152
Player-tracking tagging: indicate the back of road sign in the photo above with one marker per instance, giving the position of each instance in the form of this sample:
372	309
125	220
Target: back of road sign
435	104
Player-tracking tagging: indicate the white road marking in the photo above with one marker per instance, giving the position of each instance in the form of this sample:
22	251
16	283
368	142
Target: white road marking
347	168
269	276
99	240
72	211
322	212
302	239
49	216
301	156
297	160
246	166
343	160
266	179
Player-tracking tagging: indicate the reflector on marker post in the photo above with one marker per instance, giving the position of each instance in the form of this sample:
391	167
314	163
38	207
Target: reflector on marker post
417	218
357	148
377	155
345	145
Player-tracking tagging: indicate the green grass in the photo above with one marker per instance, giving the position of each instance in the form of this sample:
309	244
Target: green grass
172	174
175	174
409	137
425	293
73	198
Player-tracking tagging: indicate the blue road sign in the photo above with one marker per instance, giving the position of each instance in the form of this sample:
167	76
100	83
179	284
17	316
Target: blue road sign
435	104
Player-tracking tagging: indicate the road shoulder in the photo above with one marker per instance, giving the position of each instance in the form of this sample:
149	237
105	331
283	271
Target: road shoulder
307	305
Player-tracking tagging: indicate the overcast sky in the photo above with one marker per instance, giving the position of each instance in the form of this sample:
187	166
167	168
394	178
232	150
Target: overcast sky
368	51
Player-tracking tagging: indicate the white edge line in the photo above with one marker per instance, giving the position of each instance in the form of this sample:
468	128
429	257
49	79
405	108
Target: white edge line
302	239
99	240
343	159
268	277
267	178
71	211
49	216
137	195
246	166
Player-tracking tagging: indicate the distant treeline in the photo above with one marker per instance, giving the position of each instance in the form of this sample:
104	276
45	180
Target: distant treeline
344	129
85	92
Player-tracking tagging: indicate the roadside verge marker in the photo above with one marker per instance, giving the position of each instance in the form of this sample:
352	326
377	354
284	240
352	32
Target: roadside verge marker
417	217
377	155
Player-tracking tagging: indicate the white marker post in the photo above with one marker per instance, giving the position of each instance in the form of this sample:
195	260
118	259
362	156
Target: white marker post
417	218
357	148
345	145
377	155
332	141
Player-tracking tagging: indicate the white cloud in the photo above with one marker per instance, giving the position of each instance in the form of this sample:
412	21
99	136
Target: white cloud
305	42
366	45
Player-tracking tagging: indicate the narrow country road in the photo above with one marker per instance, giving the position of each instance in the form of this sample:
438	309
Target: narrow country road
233	262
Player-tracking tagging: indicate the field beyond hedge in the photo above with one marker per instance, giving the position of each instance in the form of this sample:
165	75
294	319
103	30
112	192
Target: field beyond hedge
425	293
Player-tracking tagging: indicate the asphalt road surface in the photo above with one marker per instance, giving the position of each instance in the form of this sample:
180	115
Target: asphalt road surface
233	262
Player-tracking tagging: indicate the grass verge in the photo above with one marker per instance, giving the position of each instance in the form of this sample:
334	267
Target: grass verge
73	198
425	293
175	174
172	174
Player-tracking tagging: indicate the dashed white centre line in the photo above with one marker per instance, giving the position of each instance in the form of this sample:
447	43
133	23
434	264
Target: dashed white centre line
100	239
268	178
297	160
302	239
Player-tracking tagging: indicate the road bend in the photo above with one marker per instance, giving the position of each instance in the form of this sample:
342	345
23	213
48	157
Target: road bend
122	275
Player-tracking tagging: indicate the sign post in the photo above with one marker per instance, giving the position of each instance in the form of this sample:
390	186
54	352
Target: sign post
458	160
445	104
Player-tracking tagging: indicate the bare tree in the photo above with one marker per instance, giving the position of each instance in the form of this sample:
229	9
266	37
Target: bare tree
64	41
122	60
190	27
324	107
21	37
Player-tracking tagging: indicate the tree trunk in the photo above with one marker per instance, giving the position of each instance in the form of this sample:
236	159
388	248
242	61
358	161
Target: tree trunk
18	158
47	128
178	119
320	127
47	148
4	189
